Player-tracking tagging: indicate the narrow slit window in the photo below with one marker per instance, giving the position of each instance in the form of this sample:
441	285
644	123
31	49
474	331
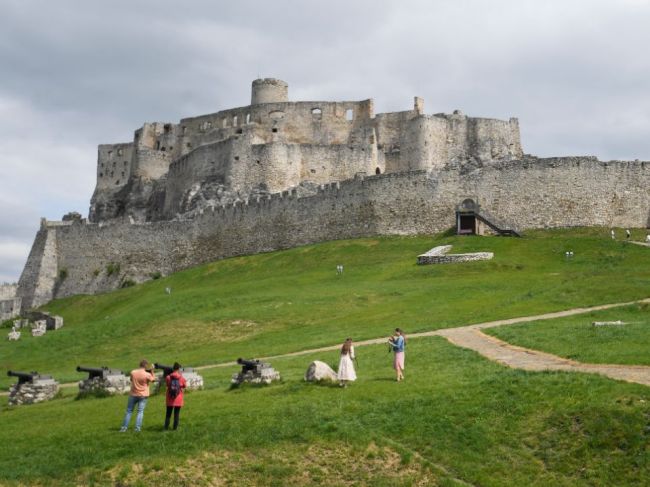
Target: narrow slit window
349	114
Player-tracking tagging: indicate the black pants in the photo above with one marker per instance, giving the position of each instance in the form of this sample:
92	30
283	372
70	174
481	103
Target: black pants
168	415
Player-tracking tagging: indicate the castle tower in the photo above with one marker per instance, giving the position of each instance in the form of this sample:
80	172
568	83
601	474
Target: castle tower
269	90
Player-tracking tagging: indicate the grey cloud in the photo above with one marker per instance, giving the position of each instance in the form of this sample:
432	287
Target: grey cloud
77	74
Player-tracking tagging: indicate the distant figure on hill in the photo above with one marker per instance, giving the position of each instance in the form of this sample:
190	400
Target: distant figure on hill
397	343
139	394
647	238
627	233
346	365
168	290
339	269
174	395
613	234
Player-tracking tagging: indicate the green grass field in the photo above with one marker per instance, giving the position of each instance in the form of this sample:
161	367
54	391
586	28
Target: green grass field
574	337
456	416
457	419
293	300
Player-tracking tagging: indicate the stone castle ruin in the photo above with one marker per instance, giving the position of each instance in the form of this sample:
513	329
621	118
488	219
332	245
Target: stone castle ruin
276	174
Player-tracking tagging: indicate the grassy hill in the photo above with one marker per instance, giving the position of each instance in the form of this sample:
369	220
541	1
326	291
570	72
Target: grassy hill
458	417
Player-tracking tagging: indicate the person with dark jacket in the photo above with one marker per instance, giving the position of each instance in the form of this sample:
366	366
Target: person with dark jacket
174	395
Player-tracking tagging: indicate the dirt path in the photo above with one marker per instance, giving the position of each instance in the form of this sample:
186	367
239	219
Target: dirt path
471	337
513	356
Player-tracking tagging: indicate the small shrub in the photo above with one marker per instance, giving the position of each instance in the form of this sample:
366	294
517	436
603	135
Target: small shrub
127	283
94	393
63	273
96	272
112	268
156	275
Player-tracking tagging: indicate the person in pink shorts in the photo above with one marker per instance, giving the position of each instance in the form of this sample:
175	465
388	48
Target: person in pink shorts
398	342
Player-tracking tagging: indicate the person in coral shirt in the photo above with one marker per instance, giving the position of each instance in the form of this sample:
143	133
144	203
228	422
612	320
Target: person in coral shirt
140	379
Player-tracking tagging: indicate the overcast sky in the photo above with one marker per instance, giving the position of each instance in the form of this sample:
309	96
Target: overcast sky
75	74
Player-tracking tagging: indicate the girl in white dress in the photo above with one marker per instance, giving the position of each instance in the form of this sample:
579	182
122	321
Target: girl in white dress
346	366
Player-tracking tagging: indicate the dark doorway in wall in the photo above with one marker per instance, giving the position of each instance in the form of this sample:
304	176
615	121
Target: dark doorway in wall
466	217
466	224
377	171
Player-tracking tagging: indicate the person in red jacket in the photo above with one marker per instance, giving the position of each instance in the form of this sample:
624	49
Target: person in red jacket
174	396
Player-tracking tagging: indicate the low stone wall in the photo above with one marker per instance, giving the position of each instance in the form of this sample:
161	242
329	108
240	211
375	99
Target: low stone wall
439	255
112	384
531	193
264	374
10	307
32	392
194	381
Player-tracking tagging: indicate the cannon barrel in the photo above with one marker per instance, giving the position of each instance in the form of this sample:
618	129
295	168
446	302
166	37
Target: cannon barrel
163	367
248	363
167	369
91	370
22	375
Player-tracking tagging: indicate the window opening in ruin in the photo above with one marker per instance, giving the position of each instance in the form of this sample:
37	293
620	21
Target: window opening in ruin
122	173
188	145
377	171
162	148
110	153
125	163
209	125
101	174
119	152
257	161
240	131
349	114
171	147
157	145
313	171
274	130
234	121
236	158
184	129
224	123
248	118
316	113
167	128
117	182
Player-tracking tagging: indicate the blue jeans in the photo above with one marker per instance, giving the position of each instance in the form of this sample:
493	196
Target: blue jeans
141	402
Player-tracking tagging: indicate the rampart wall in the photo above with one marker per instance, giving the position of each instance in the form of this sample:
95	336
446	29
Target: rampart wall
531	193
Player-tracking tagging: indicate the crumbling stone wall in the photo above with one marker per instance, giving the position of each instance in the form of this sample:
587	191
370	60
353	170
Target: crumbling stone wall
530	193
275	145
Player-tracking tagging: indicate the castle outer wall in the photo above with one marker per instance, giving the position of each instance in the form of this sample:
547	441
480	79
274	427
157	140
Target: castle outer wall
75	257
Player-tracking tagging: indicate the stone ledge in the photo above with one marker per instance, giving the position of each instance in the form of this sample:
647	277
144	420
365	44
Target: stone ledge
439	255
